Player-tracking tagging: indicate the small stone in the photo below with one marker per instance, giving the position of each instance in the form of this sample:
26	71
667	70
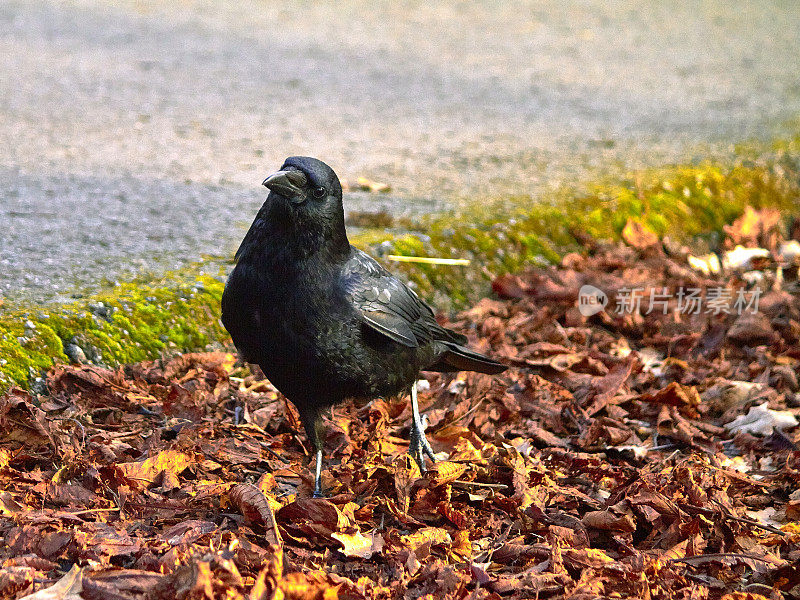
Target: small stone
384	248
101	311
787	375
456	386
751	329
30	324
75	354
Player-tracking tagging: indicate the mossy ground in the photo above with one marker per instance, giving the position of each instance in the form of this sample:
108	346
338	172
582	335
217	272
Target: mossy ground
128	323
180	312
689	203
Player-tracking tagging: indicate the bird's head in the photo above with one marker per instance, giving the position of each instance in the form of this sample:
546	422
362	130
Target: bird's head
307	183
306	198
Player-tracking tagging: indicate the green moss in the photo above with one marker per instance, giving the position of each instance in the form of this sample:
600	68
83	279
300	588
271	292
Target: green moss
689	203
129	323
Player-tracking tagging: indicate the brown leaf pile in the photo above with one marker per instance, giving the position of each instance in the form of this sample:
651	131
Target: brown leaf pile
598	466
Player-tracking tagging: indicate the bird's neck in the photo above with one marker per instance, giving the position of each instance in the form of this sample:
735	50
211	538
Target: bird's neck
288	243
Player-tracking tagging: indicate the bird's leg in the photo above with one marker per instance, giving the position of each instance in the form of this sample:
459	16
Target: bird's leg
312	423
318	475
419	446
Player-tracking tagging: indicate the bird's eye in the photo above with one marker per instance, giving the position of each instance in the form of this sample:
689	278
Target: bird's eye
318	192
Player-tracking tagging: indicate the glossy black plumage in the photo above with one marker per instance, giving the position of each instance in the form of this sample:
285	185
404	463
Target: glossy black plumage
322	319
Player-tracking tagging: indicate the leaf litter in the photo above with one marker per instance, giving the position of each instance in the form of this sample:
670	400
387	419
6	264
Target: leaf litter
626	454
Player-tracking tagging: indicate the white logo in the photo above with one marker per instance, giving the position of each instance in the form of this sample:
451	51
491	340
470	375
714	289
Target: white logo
591	300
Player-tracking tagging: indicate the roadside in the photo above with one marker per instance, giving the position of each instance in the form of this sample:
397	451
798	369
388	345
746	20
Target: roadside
180	312
134	135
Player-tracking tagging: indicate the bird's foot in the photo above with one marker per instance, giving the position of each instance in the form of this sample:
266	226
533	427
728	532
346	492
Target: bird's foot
419	447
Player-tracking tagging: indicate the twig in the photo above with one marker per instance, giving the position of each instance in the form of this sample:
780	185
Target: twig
470	411
284	460
83	430
479	484
95	510
757	525
701	558
747	521
429	260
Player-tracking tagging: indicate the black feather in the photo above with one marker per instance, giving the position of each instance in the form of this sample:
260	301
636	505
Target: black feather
322	319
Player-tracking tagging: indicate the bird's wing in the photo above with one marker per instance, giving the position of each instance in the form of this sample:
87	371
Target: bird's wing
388	306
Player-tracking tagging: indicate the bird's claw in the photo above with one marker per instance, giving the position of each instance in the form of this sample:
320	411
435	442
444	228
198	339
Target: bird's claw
419	446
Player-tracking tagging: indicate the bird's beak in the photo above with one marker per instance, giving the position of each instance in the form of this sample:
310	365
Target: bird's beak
288	184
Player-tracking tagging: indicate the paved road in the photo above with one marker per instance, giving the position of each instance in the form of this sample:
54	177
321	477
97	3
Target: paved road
134	135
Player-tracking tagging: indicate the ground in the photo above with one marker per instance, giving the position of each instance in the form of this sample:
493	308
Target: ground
645	451
135	135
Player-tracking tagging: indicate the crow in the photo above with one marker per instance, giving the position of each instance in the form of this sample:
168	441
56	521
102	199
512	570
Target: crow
325	321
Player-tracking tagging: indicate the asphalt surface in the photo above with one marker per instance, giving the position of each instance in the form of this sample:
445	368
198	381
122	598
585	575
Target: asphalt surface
134	135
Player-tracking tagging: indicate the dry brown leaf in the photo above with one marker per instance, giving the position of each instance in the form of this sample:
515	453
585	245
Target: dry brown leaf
586	557
686	398
406	473
442	473
313	515
147	471
255	506
69	587
461	546
607	521
269	577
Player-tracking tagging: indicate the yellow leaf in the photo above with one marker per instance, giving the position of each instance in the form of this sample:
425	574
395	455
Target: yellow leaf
147	471
637	234
461	545
445	472
435	535
359	545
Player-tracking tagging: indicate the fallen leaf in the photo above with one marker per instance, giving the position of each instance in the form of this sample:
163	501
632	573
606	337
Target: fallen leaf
762	421
255	506
638	235
442	473
603	519
147	471
435	536
359	545
69	587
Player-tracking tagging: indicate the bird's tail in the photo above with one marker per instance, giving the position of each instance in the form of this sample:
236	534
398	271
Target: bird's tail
458	358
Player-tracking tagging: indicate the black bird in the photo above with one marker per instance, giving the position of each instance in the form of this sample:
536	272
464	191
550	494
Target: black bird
323	320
